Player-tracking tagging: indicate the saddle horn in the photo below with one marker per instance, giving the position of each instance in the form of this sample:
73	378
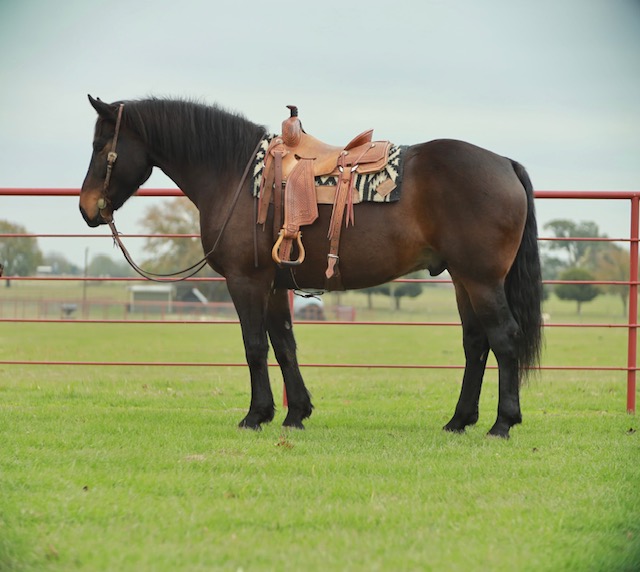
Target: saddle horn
292	128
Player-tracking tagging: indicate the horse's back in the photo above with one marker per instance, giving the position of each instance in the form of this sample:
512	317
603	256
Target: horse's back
443	162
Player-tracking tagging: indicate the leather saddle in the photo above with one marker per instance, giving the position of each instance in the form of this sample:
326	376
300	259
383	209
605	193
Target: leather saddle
292	163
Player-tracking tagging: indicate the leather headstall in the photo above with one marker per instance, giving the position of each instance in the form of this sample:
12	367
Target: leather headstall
103	201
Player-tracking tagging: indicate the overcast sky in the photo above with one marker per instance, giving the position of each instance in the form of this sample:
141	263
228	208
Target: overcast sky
554	84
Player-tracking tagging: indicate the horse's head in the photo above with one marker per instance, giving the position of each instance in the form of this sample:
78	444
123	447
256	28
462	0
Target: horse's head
110	182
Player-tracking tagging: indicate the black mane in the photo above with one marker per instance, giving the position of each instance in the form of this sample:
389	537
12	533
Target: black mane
193	132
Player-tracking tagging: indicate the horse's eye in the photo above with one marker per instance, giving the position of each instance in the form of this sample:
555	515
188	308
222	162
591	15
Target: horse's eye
98	145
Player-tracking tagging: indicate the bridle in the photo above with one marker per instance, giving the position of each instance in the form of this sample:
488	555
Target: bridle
104	201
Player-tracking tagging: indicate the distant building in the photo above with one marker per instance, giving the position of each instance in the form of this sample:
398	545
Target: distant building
156	298
44	270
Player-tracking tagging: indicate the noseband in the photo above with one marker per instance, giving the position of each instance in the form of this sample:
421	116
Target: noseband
104	201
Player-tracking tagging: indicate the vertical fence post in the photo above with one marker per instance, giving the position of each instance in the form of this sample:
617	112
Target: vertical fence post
633	305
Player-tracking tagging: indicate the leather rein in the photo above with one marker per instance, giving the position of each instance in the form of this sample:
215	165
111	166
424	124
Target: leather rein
103	201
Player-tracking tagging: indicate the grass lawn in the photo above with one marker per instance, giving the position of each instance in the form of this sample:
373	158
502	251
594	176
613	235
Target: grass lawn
143	468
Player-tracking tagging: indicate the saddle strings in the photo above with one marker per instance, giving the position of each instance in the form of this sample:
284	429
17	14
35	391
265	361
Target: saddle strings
194	268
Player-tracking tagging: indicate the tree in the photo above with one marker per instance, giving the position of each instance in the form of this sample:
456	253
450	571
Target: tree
178	216
60	264
604	260
576	249
612	263
20	256
104	265
169	254
579	292
551	269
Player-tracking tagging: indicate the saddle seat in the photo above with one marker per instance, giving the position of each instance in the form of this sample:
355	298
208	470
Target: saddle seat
300	145
325	156
292	162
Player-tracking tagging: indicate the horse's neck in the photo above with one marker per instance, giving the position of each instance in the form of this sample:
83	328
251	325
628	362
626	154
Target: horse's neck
205	178
178	176
200	183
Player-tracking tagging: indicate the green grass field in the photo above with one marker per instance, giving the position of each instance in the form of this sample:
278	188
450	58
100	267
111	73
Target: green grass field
143	468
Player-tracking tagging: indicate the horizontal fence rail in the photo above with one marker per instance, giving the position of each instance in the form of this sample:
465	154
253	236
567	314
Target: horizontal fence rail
631	325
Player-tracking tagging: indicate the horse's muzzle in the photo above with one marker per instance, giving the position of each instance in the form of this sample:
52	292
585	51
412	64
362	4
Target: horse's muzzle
93	222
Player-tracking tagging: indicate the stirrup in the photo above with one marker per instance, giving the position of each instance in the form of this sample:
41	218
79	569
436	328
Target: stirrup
276	249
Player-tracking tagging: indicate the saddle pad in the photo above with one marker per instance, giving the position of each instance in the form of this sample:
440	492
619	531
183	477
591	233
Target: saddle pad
381	187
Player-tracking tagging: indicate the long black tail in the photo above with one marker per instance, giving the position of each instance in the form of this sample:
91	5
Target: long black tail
523	285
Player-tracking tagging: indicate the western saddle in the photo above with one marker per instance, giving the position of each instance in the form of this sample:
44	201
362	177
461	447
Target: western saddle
293	161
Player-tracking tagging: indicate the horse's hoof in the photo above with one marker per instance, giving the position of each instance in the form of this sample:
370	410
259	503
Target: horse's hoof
500	432
293	424
453	428
503	424
245	424
295	415
459	423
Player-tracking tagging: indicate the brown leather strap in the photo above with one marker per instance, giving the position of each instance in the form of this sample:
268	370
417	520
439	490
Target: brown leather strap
266	191
103	201
278	202
344	199
343	194
268	179
344	186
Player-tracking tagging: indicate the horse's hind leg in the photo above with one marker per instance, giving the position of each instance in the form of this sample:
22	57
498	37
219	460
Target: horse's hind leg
250	299
280	331
476	350
491	308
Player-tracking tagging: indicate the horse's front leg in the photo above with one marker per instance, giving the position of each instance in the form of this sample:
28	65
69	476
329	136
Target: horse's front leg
280	331
250	298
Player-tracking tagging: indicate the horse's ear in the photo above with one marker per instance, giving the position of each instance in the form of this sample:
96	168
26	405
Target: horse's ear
105	110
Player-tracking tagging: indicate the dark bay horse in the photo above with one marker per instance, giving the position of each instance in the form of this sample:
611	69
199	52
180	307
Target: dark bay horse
462	209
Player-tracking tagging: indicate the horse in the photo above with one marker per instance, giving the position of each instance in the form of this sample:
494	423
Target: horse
462	209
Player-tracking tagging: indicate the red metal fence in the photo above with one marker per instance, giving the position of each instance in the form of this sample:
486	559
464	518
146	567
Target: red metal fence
632	197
